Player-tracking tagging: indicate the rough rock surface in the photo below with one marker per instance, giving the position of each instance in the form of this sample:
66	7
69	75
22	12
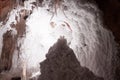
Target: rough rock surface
111	18
7	51
62	64
10	44
5	7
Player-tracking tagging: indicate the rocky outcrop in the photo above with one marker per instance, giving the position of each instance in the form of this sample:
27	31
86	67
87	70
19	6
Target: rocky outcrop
62	64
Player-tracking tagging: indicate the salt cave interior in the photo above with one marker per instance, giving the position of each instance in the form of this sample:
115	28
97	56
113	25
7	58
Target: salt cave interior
59	40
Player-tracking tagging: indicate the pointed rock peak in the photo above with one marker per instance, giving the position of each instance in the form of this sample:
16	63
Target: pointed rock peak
62	64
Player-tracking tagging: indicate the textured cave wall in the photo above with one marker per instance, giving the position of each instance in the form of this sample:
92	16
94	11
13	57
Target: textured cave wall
11	37
9	42
111	15
110	10
111	18
5	7
62	64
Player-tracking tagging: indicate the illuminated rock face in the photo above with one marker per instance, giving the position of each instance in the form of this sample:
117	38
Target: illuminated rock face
62	64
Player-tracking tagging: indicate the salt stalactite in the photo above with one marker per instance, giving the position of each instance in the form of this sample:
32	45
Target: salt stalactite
24	77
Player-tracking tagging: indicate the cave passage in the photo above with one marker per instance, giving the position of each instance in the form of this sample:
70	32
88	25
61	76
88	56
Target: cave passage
31	33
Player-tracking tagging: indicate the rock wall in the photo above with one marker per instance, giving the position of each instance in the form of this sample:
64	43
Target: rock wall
111	18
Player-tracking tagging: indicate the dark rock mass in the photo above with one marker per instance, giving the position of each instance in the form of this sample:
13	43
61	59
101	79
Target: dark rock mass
62	64
7	51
